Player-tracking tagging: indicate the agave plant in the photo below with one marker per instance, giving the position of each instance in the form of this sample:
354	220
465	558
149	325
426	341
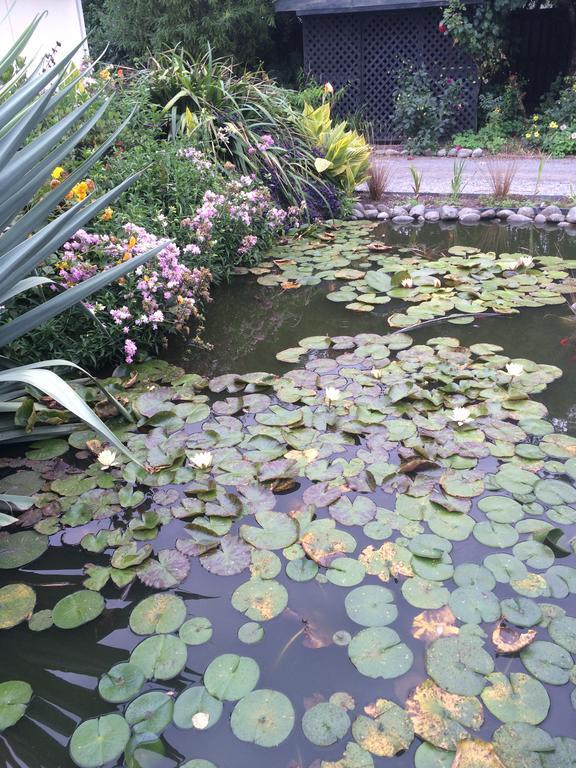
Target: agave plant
31	231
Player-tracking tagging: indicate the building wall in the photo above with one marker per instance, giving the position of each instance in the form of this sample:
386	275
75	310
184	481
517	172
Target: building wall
64	23
362	53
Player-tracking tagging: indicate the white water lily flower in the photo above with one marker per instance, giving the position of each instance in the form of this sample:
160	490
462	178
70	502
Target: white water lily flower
436	282
526	261
332	395
107	458
514	369
376	373
201	460
407	282
200	720
461	416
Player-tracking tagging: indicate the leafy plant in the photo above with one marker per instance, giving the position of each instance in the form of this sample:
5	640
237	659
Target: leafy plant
26	161
457	182
425	112
346	154
238	117
416	176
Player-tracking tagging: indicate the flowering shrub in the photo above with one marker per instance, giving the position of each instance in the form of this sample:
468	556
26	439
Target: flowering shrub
218	218
425	111
137	313
554	130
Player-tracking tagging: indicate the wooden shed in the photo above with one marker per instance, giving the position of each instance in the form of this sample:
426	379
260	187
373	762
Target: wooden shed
361	44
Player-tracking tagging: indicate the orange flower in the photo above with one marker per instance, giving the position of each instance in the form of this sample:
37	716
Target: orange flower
107	214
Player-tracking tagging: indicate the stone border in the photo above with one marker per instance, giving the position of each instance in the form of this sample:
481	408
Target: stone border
538	215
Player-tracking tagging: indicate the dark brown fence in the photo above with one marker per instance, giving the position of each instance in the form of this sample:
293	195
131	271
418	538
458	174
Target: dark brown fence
363	53
540	44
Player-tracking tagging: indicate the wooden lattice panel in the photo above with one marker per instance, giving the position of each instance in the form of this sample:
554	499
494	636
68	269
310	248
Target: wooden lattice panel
364	51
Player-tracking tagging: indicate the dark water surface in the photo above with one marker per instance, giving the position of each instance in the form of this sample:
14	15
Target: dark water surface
248	324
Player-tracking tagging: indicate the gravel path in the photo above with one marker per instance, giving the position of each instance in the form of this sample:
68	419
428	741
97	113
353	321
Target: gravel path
557	179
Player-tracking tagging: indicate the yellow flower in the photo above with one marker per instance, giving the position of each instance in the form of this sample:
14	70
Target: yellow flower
57	172
528	135
536	118
105	74
536	134
107	214
553	124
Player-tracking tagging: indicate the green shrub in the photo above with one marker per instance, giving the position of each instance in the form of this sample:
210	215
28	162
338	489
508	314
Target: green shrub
553	130
425	111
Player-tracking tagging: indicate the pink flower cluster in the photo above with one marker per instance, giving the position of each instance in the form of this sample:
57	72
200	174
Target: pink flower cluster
243	204
195	156
160	295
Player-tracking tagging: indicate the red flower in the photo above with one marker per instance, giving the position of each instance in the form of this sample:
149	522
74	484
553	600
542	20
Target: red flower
442	28
564	342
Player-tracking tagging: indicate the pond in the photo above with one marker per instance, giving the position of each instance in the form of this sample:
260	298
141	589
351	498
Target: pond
377	565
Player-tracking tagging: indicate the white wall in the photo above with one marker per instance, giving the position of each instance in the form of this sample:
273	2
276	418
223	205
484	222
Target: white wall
64	23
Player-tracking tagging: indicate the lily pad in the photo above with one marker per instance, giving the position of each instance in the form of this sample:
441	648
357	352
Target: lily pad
99	741
378	652
230	677
517	699
441	718
21	548
231	557
371	606
263	717
121	683
388	731
191	703
15	696
196	631
459	664
259	599
160	657
325	724
77	609
158	614
548	662
150	713
17	603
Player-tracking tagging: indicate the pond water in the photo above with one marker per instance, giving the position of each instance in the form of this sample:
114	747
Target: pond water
299	654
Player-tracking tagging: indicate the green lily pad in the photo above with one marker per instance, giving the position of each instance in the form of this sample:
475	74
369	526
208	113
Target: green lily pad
77	609
263	717
423	593
230	677
517	699
459	664
18	549
260	600
474	606
196	631
150	713
15	696
548	662
325	724
250	633
441	718
377	652
170	569
231	557
521	611
158	614
371	606
121	683
520	745
192	702
385	734
160	657
17	603
563	631
99	741
427	756
353	757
